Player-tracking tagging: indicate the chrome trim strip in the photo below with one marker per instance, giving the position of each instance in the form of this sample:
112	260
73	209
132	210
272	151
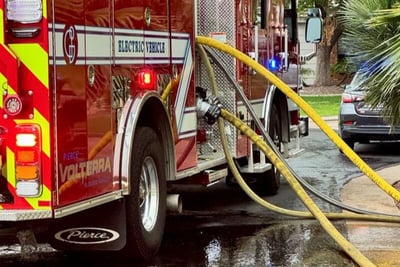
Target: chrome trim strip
86	204
203	165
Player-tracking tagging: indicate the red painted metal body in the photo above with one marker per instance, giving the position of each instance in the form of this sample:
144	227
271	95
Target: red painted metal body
85	113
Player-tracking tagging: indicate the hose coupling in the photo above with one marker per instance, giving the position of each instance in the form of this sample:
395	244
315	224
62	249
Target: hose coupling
209	108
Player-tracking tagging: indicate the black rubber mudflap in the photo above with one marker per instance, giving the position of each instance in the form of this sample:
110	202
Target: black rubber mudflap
99	228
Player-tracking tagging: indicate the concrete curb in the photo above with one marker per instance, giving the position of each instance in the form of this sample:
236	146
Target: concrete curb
332	121
363	193
377	240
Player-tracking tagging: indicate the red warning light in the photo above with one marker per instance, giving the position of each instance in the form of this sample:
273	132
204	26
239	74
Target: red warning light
146	79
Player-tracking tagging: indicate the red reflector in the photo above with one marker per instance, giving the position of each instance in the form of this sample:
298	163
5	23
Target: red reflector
146	79
294	117
201	135
44	203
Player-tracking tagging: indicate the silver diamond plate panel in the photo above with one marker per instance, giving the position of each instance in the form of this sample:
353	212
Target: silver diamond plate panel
24	215
217	16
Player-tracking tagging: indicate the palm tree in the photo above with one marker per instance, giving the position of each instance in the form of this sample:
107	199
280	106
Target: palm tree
372	33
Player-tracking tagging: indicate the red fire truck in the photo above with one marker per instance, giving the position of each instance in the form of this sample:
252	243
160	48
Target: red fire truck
88	147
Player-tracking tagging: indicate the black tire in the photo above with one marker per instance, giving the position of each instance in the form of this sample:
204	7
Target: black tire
270	182
145	212
266	183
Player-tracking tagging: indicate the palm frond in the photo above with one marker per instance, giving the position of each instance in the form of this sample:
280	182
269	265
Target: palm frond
372	32
384	17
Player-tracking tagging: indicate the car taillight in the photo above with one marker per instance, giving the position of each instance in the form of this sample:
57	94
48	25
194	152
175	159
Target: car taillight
27	160
24	17
350	98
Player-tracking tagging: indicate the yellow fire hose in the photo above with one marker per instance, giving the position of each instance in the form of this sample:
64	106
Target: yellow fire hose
383	184
346	245
253	195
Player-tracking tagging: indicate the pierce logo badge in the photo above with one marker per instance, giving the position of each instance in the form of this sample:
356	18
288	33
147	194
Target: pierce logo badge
87	236
70	44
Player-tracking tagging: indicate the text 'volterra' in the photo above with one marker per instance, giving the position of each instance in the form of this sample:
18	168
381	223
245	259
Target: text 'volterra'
84	169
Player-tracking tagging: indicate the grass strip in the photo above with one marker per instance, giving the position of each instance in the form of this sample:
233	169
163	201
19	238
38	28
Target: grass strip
324	105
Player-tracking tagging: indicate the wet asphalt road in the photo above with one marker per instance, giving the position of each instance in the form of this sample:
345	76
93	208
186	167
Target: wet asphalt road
221	226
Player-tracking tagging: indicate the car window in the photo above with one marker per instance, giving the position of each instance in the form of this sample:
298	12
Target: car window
356	82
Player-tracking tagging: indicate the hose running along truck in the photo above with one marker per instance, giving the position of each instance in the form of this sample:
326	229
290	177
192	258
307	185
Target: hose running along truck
90	147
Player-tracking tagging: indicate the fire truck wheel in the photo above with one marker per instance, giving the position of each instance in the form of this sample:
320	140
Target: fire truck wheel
146	205
264	184
272	182
268	183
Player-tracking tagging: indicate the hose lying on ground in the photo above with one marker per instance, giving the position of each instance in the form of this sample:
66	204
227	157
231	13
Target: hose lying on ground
355	254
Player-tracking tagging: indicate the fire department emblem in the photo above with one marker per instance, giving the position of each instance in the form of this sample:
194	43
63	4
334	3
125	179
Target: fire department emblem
70	44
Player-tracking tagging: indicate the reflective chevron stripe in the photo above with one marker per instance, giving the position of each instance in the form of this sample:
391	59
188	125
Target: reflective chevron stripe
23	65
